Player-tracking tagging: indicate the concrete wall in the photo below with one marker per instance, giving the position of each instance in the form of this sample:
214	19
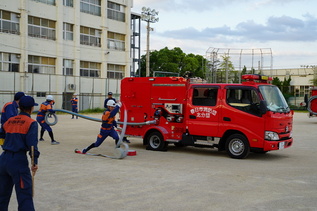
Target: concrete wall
57	84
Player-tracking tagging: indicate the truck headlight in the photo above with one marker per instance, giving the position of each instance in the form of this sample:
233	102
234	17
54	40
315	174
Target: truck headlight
271	136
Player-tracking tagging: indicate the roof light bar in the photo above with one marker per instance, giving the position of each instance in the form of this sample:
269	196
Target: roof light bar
253	77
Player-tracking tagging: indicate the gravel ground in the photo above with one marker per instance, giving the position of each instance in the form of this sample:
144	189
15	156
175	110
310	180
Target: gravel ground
180	179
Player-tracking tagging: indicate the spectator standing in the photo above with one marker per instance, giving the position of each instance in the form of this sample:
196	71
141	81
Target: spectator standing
74	102
109	98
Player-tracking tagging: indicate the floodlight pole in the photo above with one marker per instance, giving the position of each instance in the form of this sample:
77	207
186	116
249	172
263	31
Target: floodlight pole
148	15
148	50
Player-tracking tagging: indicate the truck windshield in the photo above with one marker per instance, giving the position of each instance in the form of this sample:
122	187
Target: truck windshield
274	99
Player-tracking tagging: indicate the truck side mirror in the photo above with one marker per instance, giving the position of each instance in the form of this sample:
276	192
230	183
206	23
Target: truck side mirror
263	107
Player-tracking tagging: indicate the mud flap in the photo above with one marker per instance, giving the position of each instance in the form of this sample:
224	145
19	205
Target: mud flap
188	140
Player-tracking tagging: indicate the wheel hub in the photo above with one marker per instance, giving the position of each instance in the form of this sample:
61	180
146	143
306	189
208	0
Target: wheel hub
237	147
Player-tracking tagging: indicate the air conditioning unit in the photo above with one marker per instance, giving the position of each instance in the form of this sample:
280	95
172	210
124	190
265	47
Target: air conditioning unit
71	86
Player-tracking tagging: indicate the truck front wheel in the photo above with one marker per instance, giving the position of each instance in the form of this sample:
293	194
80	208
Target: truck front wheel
237	146
156	142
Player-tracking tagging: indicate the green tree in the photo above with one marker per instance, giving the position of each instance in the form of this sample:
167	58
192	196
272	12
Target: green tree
276	81
244	70
236	77
313	81
224	66
284	86
174	60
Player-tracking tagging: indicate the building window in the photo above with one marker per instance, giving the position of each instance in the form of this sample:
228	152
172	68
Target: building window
115	71
9	22
116	11
40	94
92	7
40	27
300	91
90	36
51	2
68	67
116	41
68	3
38	64
68	32
9	62
90	69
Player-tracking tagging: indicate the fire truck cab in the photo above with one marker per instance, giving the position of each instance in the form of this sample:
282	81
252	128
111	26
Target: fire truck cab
239	118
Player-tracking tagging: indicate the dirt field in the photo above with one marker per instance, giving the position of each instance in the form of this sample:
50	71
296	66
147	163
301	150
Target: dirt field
179	179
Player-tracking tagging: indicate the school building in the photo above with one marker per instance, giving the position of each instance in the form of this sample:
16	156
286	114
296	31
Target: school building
66	47
301	81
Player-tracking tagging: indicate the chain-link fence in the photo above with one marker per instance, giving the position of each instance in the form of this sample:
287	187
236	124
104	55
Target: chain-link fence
91	92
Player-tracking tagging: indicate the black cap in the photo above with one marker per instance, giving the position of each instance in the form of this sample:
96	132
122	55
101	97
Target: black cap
18	95
27	101
109	93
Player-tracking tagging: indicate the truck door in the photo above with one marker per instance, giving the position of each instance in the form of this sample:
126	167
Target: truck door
241	112
202	117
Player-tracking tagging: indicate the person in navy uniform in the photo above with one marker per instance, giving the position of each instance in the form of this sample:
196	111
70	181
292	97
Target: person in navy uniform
107	126
74	102
10	109
21	134
105	105
109	98
45	107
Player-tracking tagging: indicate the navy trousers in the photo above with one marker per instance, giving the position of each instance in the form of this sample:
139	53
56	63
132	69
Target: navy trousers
15	171
104	134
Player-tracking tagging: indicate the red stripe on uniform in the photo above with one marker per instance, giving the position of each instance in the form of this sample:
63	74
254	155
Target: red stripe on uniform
21	183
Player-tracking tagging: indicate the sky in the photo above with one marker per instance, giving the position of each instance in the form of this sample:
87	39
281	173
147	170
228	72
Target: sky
276	34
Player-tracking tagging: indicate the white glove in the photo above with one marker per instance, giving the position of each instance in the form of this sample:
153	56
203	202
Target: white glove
119	104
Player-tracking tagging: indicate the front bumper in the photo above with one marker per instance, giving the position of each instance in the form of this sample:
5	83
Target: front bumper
277	145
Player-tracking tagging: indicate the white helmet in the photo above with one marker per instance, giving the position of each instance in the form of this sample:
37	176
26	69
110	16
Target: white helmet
49	98
111	103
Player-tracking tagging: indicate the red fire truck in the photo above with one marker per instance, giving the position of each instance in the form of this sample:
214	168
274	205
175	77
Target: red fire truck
239	118
311	103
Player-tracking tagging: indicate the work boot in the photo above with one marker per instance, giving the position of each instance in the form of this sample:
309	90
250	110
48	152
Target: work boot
117	144
126	140
54	142
41	139
88	148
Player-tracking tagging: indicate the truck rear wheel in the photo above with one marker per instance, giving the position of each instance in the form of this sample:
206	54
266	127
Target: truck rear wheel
237	146
156	142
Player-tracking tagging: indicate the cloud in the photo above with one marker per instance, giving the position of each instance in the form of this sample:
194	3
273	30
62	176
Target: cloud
283	28
186	5
206	5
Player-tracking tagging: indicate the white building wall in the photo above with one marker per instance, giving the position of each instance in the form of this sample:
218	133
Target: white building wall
301	81
60	49
299	76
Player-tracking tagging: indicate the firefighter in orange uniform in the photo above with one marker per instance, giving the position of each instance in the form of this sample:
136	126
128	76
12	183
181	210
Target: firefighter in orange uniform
10	109
46	107
107	126
21	135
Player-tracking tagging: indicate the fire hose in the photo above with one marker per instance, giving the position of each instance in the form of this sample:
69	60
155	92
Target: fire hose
118	153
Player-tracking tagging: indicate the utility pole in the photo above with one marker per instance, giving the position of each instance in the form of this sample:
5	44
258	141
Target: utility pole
148	15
